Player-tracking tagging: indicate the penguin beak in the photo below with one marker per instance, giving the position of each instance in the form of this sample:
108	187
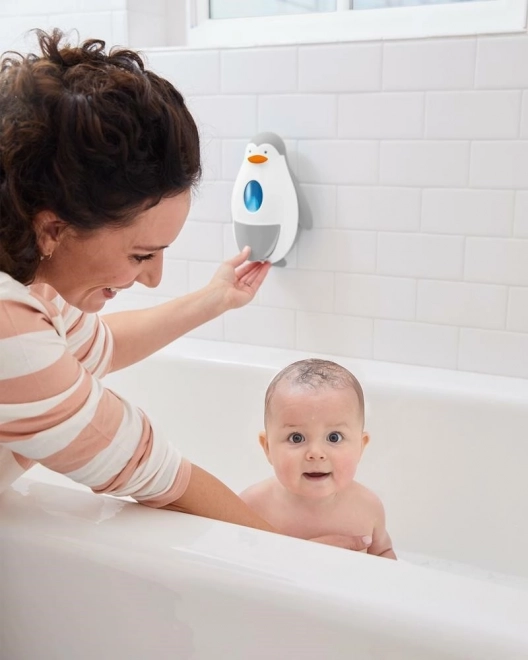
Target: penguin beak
257	159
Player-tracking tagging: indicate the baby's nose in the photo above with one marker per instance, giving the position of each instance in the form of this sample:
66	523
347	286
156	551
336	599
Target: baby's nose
315	453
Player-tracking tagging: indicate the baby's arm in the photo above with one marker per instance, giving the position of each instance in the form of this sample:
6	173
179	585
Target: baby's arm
381	541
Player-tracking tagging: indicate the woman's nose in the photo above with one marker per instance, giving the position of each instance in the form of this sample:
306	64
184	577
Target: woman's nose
151	272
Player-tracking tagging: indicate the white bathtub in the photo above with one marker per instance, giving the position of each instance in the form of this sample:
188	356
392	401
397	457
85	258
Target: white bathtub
86	577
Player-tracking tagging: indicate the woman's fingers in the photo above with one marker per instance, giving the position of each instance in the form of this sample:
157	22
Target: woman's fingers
257	275
239	258
247	277
357	543
243	271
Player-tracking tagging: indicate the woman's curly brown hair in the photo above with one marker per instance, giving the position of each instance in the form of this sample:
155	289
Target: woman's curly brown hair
93	137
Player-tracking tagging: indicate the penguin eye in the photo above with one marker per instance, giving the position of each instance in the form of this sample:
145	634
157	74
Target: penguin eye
265	152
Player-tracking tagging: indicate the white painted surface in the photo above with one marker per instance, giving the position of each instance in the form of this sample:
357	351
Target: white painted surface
387	23
86	576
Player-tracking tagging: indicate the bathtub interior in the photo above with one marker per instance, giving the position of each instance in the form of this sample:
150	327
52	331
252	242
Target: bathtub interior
448	454
87	576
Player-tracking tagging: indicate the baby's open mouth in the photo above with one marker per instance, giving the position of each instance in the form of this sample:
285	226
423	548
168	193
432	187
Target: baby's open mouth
316	476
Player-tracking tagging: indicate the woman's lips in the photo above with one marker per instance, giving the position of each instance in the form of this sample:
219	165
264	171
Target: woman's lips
109	293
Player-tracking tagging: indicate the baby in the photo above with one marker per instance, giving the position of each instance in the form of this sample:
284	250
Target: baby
314	439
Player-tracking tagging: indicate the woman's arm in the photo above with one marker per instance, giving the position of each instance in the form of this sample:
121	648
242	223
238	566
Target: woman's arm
138	334
208	497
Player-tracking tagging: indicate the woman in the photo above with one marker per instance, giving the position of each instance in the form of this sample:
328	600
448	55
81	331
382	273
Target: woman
97	160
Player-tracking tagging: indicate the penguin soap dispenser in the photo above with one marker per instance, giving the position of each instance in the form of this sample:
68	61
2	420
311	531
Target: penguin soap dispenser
264	204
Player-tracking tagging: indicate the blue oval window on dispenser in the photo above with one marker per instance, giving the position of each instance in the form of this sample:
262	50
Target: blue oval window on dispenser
253	196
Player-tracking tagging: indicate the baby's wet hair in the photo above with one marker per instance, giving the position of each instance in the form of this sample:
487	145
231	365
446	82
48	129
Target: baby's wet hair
315	374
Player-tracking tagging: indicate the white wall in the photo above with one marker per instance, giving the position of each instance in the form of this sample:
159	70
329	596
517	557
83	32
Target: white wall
121	22
414	155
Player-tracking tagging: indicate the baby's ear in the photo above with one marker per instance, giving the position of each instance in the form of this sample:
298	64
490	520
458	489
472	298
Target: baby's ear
263	440
365	439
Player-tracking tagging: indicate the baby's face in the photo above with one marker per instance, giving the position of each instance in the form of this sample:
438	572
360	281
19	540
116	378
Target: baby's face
314	438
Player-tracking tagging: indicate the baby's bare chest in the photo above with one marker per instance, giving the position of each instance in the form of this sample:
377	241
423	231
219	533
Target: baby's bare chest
348	518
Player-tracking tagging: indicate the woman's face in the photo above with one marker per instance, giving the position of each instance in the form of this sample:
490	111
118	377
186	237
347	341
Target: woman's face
89	270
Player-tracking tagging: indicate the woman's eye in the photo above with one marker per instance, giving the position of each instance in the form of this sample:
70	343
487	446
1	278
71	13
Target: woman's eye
296	438
334	437
143	257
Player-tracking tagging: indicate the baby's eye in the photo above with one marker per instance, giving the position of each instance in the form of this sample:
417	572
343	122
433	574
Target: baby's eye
334	437
296	438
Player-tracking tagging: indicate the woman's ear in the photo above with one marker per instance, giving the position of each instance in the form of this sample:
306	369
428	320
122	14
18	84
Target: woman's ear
49	229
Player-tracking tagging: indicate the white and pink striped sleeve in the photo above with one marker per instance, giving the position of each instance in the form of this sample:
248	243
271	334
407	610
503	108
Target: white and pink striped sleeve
55	410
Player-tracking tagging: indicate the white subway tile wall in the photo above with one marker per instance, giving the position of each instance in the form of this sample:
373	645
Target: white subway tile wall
261	71
520	227
499	164
338	161
299	115
195	73
429	65
423	163
413	156
518	310
473	115
335	334
469	212
340	68
416	343
103	19
381	116
225	116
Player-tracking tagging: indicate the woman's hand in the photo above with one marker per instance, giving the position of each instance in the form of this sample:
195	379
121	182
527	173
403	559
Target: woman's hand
357	543
236	282
139	333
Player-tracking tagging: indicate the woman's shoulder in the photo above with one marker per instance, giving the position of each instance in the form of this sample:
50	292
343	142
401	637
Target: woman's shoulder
34	303
10	287
40	296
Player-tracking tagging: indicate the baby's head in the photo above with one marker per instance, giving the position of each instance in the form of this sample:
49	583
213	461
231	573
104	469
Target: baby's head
314	416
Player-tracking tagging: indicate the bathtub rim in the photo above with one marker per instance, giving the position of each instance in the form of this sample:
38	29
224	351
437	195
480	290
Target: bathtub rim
378	586
376	372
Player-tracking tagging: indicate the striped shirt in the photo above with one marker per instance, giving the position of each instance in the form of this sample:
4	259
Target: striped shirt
54	410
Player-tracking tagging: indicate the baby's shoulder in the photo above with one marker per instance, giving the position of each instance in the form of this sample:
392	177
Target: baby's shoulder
368	498
257	492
